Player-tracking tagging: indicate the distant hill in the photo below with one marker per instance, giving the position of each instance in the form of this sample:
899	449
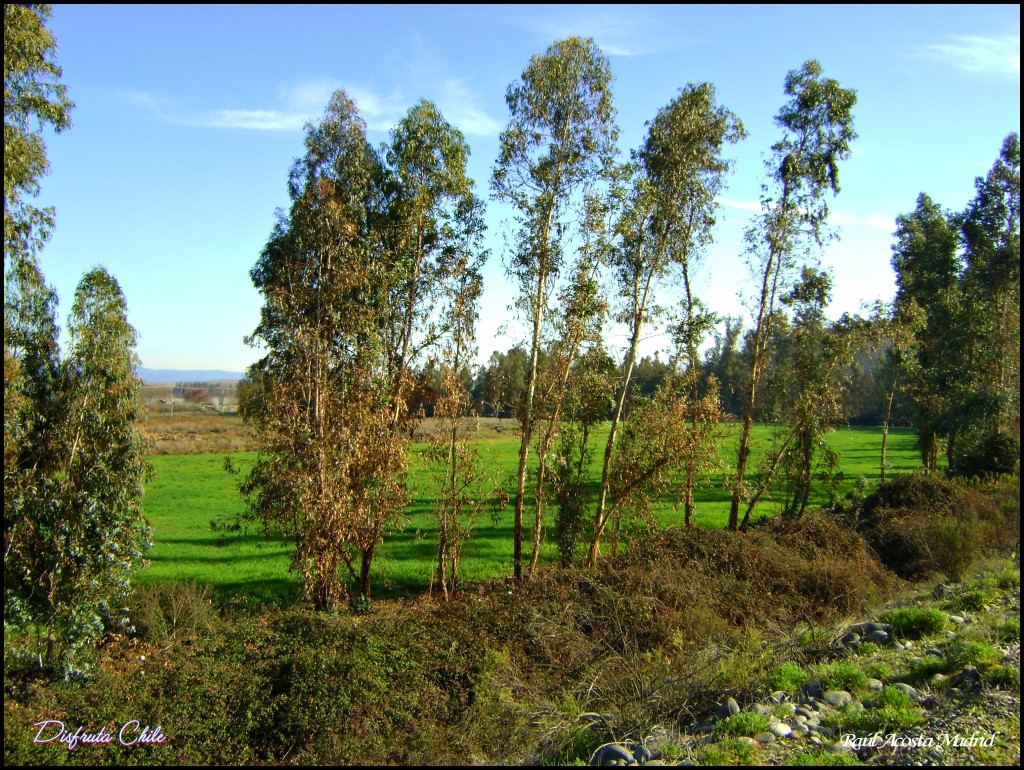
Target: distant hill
186	375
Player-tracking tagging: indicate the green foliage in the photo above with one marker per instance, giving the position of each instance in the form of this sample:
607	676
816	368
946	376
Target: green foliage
73	521
34	99
817	125
914	622
820	758
727	752
842	675
789	677
747	723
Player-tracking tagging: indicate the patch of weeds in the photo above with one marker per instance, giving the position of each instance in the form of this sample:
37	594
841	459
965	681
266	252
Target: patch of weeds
822	759
877	670
727	752
924	669
866	649
914	622
670	751
747	723
892	697
893	710
973	654
814	637
842	675
1008	631
577	746
972	601
1008	580
1003	676
789	676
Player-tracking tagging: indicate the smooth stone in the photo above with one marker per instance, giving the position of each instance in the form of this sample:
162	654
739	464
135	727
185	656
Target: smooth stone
757	708
746	740
805	713
957	619
765	737
641	754
898	646
935	653
906	688
878	637
780	729
778	696
876	685
730	705
612	754
837	698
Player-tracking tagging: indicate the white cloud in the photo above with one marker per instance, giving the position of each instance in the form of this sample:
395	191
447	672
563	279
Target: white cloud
739	204
461	108
617	34
987	54
253	120
882	222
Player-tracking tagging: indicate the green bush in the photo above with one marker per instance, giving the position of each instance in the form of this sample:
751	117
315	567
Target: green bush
726	753
748	723
842	675
822	759
914	622
789	676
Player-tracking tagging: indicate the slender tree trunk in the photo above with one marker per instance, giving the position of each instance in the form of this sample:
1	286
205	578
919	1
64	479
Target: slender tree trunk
602	513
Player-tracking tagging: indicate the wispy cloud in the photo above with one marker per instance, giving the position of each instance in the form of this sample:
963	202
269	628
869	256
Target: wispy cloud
618	34
883	222
986	54
461	107
299	105
740	204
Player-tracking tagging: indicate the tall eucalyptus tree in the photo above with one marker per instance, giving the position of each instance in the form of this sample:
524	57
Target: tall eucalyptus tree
559	142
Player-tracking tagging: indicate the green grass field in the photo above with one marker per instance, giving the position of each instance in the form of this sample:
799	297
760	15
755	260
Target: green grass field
191	491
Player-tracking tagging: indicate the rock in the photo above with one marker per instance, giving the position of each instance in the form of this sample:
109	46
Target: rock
779	696
935	653
906	688
805	713
785	709
780	729
956	619
850	638
729	707
765	738
898	646
949	634
837	698
612	754
875	685
642	755
757	708
878	637
747	741
812	689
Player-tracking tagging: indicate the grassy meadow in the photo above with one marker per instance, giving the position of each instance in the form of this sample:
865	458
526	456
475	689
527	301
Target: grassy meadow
192	490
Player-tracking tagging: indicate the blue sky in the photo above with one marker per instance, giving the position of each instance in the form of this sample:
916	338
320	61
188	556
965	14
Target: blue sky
187	121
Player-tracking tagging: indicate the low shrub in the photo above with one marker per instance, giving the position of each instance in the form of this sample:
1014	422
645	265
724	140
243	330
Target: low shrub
747	723
822	759
789	677
920	525
842	675
914	622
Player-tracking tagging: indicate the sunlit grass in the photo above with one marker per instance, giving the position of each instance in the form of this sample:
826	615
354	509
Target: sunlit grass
191	491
